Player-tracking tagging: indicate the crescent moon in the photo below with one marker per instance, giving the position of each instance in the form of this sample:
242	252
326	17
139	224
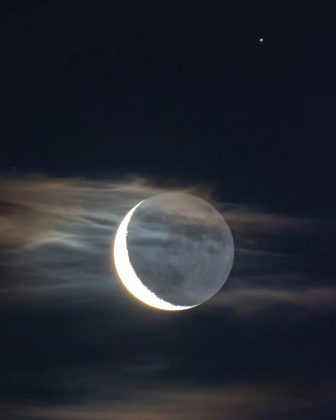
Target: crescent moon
127	274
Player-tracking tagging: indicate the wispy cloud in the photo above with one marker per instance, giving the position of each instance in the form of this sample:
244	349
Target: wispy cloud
259	400
56	234
247	301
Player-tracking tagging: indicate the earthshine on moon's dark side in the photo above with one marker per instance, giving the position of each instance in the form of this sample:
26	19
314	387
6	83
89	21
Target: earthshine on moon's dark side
180	251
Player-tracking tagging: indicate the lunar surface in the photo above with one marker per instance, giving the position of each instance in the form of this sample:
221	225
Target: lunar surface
173	251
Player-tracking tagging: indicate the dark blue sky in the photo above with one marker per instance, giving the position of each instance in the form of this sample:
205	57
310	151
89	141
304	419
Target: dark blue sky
184	92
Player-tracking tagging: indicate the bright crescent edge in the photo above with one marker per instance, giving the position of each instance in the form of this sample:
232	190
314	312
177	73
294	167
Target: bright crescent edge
127	274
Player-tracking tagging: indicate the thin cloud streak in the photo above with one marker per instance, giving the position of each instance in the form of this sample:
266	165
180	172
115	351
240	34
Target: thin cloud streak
247	301
56	235
240	401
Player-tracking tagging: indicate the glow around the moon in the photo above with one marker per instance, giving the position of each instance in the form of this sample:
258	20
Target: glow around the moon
127	274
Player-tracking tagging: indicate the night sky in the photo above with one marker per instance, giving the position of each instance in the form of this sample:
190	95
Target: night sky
103	106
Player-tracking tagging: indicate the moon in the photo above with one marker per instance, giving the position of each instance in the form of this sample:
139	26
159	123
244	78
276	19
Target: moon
173	251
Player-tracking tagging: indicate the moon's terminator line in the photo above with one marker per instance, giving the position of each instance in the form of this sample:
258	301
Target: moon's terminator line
127	274
174	253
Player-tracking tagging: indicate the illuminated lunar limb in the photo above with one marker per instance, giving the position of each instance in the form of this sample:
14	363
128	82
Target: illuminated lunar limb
127	274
